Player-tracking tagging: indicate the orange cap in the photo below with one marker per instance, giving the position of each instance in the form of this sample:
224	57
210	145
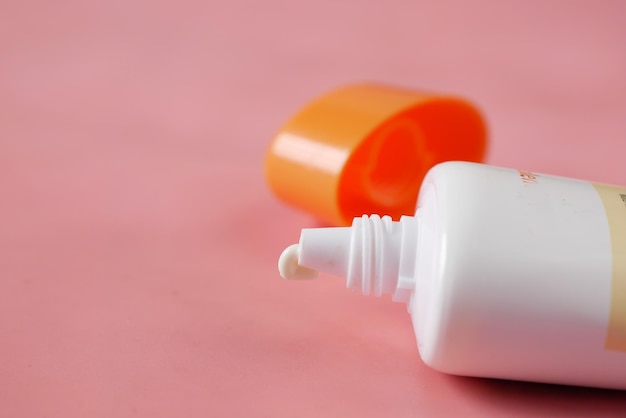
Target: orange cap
365	149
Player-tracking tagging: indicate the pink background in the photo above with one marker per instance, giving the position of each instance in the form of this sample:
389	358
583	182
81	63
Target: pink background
138	240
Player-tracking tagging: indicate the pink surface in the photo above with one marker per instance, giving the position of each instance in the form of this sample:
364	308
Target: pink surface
138	241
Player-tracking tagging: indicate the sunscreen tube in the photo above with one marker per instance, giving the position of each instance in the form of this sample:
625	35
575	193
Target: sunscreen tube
506	274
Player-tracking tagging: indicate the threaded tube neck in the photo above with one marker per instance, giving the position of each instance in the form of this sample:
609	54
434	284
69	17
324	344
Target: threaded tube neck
374	255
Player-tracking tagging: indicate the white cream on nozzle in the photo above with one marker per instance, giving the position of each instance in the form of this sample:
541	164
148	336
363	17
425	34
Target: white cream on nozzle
320	249
289	268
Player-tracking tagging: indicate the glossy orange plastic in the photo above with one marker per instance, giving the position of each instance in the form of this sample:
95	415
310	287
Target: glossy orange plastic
365	149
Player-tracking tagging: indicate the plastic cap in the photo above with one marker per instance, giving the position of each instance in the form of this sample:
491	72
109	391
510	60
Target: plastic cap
365	149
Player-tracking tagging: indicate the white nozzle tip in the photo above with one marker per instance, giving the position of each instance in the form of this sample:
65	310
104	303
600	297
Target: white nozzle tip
290	269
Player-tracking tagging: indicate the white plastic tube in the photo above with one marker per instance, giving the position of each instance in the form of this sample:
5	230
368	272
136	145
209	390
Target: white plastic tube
506	274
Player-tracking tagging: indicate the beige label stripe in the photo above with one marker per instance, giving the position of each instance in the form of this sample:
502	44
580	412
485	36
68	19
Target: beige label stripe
614	200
